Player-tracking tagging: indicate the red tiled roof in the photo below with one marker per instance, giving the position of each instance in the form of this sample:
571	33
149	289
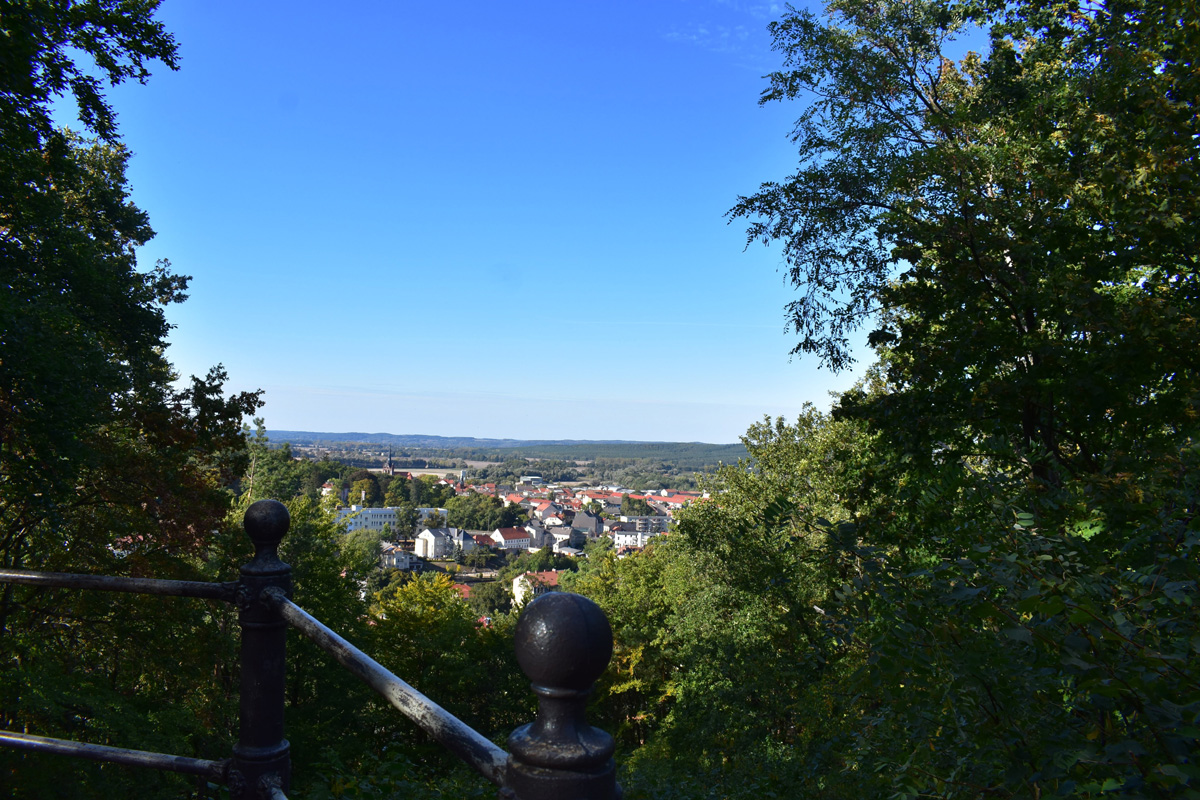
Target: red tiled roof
544	578
509	534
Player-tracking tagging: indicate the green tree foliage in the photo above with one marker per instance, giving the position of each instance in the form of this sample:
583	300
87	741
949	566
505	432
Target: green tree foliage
364	488
635	507
481	512
273	473
106	465
490	598
542	560
1013	563
90	418
398	493
1021	219
425	632
723	667
479	557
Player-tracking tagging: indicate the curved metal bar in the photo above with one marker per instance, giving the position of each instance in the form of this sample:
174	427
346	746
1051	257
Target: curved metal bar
113	583
213	770
452	733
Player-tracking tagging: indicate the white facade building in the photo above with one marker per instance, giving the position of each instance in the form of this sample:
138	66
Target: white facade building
357	518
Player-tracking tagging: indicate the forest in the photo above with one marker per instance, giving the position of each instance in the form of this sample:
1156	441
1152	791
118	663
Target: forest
974	575
635	465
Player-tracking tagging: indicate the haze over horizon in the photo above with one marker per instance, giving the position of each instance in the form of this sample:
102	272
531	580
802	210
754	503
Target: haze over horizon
272	433
475	220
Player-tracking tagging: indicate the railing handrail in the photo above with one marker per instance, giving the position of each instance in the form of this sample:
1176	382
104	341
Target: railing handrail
448	730
216	771
116	583
563	644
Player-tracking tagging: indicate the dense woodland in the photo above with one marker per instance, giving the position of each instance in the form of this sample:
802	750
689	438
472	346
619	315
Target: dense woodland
975	575
635	465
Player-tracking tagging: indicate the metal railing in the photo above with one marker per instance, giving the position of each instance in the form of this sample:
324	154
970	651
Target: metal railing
563	644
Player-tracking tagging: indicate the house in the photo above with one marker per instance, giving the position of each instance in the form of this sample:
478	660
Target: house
512	538
533	584
537	535
590	524
546	509
392	556
443	542
567	539
631	538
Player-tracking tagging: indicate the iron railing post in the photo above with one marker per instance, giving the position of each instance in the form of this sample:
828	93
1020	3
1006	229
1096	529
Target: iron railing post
563	644
260	758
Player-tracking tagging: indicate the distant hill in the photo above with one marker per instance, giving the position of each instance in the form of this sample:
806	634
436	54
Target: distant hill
422	440
695	454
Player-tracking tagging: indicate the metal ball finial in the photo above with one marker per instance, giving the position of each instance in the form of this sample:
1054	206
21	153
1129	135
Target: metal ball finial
266	522
563	641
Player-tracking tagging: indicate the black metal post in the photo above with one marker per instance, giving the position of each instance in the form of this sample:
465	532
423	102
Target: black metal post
260	758
563	644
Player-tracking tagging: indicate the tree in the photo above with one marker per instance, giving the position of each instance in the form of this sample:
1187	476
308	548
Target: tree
107	463
85	389
406	521
398	493
432	493
635	507
361	549
1014	223
479	557
364	488
480	512
426	633
273	472
433	520
490	598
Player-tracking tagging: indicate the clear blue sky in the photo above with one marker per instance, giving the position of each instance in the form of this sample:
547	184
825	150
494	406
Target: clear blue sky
479	219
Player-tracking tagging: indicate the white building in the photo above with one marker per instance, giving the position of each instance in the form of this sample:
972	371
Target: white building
394	557
512	538
358	517
631	538
442	542
533	584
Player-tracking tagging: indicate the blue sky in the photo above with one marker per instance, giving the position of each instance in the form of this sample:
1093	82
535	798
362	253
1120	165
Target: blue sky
479	219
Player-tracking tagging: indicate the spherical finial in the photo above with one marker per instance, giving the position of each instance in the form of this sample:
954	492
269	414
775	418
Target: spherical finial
266	522
563	641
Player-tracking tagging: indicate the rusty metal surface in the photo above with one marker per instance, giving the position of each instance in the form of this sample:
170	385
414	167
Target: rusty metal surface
112	583
213	770
452	733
